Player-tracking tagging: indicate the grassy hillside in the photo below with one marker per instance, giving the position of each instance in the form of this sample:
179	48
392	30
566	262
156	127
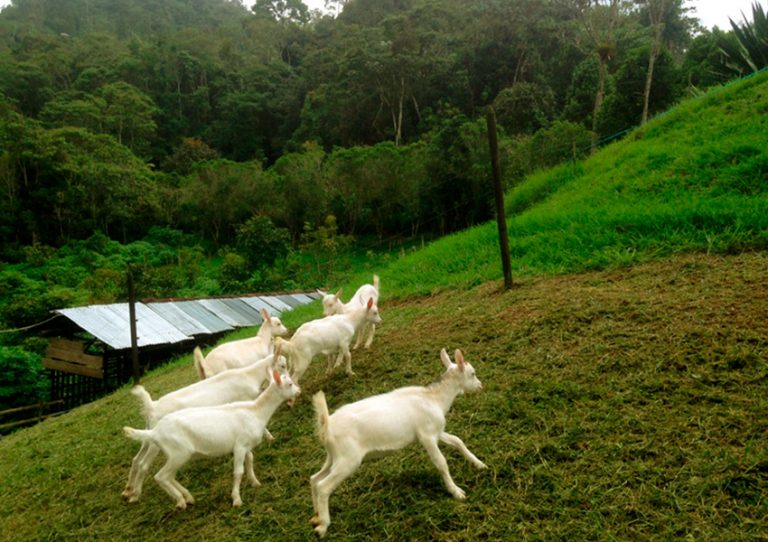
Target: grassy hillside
621	401
694	179
626	404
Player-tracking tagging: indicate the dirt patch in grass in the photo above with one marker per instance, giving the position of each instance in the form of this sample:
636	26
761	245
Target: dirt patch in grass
626	404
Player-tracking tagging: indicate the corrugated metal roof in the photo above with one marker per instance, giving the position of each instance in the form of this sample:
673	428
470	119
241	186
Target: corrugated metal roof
169	322
213	323
111	325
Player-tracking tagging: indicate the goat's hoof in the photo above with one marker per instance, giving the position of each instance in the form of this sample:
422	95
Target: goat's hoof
481	465
238	503
181	505
459	494
320	530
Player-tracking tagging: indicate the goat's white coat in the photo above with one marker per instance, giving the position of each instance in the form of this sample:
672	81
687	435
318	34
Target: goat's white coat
332	304
327	336
384	423
236	354
229	386
234	428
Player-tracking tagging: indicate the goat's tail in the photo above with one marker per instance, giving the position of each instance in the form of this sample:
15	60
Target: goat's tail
199	359
321	415
147	405
137	434
376	282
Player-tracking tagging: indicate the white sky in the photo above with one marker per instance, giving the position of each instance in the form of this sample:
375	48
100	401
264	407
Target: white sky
716	12
710	12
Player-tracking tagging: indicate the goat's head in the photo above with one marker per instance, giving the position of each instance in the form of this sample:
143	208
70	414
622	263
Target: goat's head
462	371
332	304
372	312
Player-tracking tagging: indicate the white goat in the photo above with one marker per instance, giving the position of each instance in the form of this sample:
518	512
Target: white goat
384	423
226	387
327	336
234	428
235	354
332	304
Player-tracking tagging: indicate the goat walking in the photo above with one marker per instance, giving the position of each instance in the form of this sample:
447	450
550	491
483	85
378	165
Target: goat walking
226	387
234	428
327	336
236	354
384	423
332	304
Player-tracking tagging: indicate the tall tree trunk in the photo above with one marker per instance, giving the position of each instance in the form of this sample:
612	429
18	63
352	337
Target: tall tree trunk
656	15
602	70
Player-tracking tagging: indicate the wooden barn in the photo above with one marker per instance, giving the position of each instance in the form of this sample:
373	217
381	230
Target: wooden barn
89	354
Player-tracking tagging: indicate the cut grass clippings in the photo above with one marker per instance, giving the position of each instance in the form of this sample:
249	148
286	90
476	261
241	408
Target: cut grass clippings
617	405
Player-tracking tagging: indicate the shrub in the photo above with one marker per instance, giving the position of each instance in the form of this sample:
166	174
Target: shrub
21	378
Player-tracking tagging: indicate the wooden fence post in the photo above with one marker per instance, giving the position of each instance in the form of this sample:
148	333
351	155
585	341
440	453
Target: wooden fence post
134	338
498	193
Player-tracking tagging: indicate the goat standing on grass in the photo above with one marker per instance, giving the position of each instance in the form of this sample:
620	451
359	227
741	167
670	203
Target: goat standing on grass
332	304
226	387
327	336
234	428
384	423
236	354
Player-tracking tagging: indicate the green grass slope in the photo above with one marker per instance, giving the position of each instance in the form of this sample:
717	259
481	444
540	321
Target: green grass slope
617	405
620	402
693	179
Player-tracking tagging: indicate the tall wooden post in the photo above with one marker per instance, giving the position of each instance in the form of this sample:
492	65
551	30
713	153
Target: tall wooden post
498	194
134	337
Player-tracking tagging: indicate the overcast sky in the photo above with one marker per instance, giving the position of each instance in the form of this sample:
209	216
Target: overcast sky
710	12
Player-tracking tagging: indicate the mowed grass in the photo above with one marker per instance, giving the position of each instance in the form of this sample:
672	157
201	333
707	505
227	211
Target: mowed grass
627	404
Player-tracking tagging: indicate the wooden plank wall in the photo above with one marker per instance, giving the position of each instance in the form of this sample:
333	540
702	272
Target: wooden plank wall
69	357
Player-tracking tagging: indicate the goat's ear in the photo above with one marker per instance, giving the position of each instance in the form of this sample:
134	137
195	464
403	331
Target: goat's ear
337	295
459	357
265	314
370	303
445	359
276	353
276	377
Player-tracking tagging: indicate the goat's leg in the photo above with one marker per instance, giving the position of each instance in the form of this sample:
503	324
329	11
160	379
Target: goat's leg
438	459
359	336
239	455
249	469
456	442
348	356
188	498
313	481
139	469
341	469
371	329
166	478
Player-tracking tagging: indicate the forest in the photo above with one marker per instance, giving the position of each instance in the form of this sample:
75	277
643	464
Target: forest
219	148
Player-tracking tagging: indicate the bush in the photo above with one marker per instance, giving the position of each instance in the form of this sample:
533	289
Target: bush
22	379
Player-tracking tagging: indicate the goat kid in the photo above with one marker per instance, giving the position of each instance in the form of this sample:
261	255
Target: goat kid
226	387
327	336
332	304
384	423
234	428
236	354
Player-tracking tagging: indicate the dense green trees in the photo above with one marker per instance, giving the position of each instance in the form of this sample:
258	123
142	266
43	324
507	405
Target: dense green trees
218	148
201	115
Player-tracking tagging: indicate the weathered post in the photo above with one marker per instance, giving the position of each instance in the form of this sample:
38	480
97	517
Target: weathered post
498	194
134	337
